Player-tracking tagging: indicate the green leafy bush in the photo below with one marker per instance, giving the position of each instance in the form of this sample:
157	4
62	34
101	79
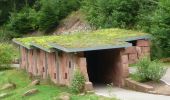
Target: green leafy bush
52	11
116	13
156	70
142	67
150	70
23	21
7	54
161	30
78	82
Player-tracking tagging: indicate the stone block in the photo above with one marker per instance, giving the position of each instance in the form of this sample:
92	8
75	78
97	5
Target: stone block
88	86
143	43
139	50
124	59
125	70
130	50
137	86
83	67
133	58
145	49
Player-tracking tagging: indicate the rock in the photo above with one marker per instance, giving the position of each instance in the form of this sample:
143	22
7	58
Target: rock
30	92
63	96
35	82
3	95
8	86
88	86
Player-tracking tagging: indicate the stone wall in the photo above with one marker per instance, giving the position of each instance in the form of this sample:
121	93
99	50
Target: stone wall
58	66
142	48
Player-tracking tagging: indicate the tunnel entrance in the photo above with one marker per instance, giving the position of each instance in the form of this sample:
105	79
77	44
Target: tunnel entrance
102	65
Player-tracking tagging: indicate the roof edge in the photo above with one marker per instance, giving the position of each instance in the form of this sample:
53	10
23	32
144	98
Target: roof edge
137	38
40	47
69	50
21	44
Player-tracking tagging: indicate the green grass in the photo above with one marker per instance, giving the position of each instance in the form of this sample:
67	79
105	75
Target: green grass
101	37
46	91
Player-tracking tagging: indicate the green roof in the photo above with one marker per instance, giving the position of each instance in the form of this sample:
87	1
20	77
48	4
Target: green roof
93	40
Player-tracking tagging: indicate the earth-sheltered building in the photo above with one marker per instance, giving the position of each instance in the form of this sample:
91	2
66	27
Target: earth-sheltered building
103	56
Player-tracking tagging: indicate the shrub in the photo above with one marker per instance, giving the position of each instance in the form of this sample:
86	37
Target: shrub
78	82
6	35
115	13
7	54
150	70
52	11
156	70
23	21
142	67
160	30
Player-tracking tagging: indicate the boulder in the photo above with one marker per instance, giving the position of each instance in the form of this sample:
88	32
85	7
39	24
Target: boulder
30	92
35	82
8	86
88	86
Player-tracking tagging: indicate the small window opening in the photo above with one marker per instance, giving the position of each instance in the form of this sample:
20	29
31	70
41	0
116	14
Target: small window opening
60	54
36	70
69	64
43	69
65	76
54	75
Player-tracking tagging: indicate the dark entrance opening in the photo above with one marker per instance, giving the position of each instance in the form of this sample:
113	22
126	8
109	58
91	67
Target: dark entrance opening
102	65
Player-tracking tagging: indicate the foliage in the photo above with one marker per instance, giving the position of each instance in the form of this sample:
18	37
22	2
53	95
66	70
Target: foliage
115	13
149	70
43	15
161	30
100	37
7	35
7	55
78	82
52	11
156	70
142	67
7	6
23	21
47	91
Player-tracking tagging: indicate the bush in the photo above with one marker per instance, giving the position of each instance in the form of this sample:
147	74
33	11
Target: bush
52	11
115	13
142	67
78	82
150	70
156	70
23	21
160	30
7	54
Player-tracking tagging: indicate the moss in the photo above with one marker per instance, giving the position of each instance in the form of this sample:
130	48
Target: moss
101	37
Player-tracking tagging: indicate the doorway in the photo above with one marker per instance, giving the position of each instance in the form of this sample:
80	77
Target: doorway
102	65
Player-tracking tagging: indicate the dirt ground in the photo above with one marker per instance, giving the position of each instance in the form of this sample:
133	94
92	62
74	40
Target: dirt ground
160	88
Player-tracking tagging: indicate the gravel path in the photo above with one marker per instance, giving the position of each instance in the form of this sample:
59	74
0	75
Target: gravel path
166	77
124	94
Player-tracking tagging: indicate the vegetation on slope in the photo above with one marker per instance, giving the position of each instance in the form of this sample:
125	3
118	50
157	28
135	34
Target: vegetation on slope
103	37
47	91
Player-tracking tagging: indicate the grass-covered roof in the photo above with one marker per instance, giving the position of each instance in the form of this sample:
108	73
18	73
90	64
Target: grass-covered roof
94	39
